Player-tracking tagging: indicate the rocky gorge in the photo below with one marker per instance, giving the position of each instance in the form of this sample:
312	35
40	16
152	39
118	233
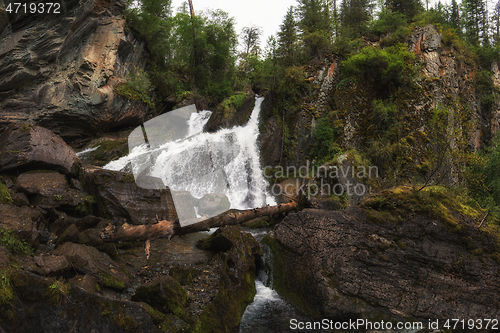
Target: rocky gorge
396	254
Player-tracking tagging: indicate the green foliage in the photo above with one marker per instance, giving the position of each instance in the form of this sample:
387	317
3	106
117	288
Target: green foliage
386	69
6	289
326	134
233	103
384	116
137	87
354	17
10	240
388	22
482	175
408	8
5	197
317	42
57	291
435	201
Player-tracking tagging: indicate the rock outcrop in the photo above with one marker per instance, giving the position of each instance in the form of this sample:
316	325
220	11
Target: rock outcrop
34	147
374	263
118	197
60	70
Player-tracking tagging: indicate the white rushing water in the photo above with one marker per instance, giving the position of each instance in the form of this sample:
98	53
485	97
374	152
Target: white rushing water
227	161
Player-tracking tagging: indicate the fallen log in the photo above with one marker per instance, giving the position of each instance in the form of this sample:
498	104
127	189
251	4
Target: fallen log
167	229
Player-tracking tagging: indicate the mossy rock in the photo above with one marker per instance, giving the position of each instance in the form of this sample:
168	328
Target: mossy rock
164	294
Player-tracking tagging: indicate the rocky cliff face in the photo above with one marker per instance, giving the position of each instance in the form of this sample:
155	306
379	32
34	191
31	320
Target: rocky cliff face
377	262
59	71
445	77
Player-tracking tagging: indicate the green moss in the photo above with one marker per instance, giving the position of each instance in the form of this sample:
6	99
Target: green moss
184	275
119	317
6	289
15	152
5	197
57	197
11	241
57	291
111	282
435	201
85	207
137	87
282	274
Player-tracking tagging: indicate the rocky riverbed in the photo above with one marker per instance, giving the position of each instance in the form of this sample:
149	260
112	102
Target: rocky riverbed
76	282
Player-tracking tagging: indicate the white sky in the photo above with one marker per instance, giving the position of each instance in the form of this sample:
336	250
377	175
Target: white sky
267	14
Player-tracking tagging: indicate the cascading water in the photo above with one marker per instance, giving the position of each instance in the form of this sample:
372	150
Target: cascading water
227	161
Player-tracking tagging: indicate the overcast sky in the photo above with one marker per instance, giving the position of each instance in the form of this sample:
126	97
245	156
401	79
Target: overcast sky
267	14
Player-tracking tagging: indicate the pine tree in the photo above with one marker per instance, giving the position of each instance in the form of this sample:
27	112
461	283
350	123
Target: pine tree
408	8
475	21
354	17
314	23
287	39
454	15
313	16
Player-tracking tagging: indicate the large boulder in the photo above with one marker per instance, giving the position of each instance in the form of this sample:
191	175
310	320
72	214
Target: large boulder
24	220
33	147
165	294
118	196
344	264
50	189
237	282
62	308
88	260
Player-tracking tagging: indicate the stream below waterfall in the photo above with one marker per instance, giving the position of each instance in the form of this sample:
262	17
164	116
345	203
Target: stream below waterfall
268	313
227	162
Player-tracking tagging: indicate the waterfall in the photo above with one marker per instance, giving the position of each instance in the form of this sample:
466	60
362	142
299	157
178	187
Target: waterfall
225	162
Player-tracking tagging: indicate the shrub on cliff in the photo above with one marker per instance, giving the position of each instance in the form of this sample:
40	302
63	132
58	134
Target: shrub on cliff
137	87
387	69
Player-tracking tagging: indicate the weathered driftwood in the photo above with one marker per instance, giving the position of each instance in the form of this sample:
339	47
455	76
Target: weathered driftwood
167	229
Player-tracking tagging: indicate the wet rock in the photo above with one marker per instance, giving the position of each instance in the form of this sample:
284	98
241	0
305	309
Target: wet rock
51	78
33	147
225	115
86	282
59	308
50	190
165	294
260	222
340	265
101	151
19	199
23	220
51	264
237	281
213	204
89	260
117	196
71	234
